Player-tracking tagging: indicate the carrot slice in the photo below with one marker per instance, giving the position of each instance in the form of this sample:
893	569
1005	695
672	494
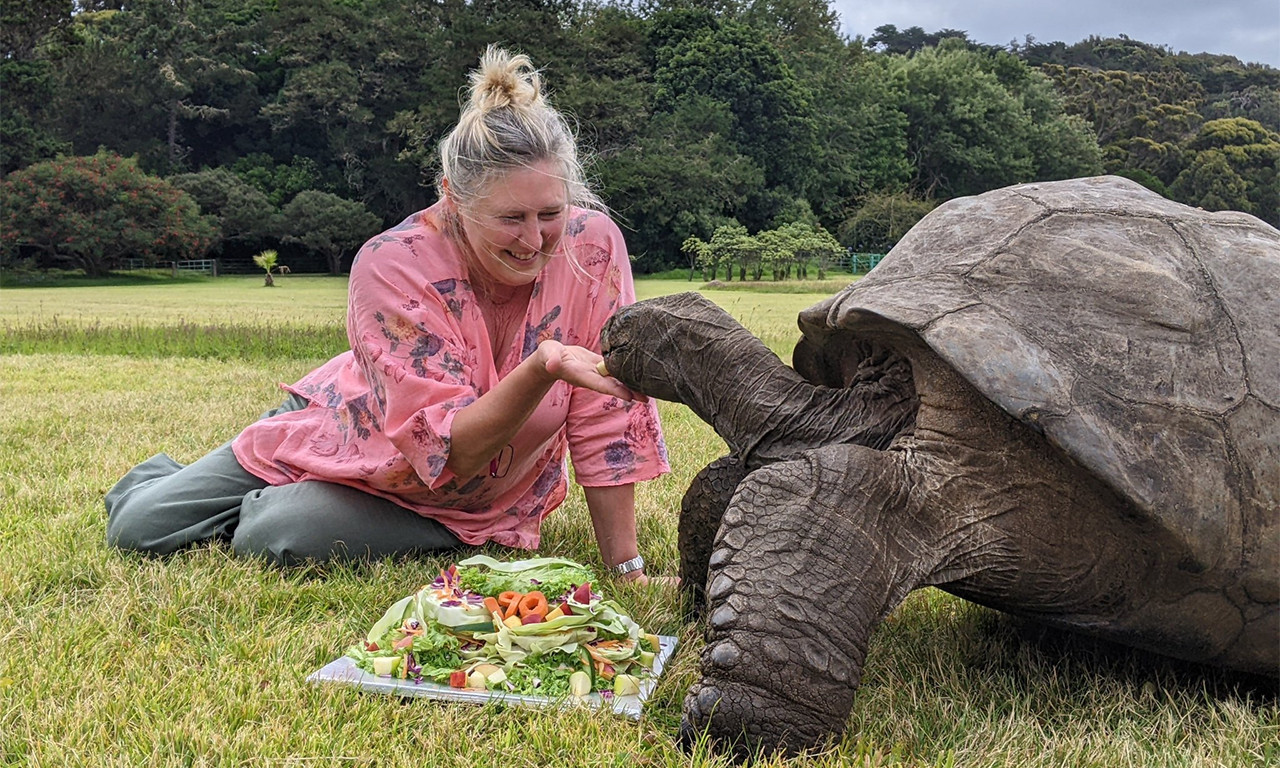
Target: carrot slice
491	605
513	609
534	602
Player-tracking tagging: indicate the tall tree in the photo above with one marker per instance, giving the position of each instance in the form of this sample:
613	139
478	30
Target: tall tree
1209	182
1233	166
888	39
93	212
1140	119
965	130
26	24
329	225
135	80
26	79
1062	146
861	140
609	91
180	48
346	68
683	177
882	220
242	212
448	38
734	64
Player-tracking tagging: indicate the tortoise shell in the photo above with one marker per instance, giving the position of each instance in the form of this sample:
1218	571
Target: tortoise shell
1138	335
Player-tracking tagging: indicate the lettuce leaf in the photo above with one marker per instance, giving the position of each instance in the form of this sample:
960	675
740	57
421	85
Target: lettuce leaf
546	675
394	617
553	575
509	648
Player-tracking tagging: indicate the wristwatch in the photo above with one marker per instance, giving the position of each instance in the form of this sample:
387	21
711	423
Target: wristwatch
634	564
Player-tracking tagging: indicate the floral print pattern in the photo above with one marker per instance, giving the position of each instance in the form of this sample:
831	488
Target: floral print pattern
380	414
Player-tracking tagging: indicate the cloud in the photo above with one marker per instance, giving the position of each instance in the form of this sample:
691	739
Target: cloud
1246	29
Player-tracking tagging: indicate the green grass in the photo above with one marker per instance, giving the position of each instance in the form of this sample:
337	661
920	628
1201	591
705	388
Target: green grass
825	287
236	300
63	278
231	341
118	660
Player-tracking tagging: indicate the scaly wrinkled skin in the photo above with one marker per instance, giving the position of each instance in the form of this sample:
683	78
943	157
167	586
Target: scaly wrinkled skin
701	510
651	345
836	519
871	404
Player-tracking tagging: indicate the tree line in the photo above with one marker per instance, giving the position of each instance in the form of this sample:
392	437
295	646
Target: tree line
163	128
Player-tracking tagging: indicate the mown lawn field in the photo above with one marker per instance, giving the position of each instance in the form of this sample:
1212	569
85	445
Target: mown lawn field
109	659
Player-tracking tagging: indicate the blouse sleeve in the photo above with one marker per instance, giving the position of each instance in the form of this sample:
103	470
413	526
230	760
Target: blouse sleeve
611	441
407	339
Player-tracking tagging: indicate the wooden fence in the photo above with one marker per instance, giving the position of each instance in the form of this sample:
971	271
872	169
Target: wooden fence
203	266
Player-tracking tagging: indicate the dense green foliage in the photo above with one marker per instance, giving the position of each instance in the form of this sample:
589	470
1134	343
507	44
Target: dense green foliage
698	113
328	224
94	212
242	211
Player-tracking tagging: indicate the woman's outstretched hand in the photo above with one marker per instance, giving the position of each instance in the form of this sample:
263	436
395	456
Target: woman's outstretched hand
579	366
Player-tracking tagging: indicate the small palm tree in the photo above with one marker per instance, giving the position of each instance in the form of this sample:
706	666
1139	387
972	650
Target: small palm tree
267	260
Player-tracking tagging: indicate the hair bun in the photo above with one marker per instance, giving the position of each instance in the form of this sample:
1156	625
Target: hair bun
504	80
506	124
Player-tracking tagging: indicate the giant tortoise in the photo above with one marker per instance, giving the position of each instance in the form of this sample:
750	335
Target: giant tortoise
1059	400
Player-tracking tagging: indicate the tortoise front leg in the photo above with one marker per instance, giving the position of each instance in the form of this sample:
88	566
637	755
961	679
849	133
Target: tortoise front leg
811	555
701	510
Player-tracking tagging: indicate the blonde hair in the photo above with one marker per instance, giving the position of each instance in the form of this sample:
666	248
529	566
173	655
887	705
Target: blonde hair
507	124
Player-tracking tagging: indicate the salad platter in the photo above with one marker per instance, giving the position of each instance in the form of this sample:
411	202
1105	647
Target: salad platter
525	633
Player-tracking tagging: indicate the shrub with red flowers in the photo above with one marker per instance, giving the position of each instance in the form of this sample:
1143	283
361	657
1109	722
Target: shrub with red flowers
94	212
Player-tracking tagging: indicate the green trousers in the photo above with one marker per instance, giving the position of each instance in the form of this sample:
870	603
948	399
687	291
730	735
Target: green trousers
161	506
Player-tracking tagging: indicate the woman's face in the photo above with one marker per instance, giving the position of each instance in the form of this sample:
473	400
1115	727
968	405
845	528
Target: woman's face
515	228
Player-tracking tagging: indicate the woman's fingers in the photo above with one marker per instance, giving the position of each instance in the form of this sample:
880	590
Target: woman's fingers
581	367
665	582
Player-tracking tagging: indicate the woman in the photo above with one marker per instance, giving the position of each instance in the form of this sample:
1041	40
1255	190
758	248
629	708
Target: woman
474	328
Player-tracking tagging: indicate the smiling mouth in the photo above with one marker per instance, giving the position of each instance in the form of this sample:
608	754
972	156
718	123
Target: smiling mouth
525	258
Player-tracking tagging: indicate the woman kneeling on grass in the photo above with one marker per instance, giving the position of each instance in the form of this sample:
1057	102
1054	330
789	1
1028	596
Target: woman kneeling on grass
474	328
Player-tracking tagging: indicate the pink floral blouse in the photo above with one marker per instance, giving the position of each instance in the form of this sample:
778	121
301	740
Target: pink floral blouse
379	416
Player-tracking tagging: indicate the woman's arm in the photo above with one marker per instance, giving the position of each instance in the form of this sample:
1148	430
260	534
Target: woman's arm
613	516
481	429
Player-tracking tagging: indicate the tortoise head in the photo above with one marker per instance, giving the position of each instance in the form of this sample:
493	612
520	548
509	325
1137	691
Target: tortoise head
644	344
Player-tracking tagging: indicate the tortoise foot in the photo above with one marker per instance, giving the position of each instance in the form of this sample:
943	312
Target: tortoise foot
748	722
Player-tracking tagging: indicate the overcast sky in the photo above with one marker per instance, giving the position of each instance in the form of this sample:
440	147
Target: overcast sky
1246	29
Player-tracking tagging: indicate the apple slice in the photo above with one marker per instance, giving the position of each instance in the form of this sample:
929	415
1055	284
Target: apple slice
579	684
626	685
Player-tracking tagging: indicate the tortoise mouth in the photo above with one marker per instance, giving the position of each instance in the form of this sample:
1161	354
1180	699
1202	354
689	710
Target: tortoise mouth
614	338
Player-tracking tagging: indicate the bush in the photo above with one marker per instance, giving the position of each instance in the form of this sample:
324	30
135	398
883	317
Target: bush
241	211
94	212
328	224
882	220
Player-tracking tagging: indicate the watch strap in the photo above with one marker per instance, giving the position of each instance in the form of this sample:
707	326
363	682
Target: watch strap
634	564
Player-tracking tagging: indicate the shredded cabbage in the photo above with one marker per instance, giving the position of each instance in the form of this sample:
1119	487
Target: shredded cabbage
597	636
553	576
